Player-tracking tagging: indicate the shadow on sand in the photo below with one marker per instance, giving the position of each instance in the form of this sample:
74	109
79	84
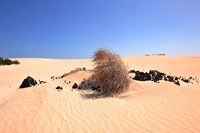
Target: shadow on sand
90	91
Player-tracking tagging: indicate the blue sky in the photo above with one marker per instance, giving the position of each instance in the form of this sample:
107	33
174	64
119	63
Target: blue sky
76	28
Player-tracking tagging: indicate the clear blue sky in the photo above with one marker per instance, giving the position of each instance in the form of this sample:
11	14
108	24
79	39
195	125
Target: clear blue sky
76	28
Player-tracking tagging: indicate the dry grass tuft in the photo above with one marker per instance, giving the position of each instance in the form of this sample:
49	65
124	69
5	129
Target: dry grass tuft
110	73
73	71
102	55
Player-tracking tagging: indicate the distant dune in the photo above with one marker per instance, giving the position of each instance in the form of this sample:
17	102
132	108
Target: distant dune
147	107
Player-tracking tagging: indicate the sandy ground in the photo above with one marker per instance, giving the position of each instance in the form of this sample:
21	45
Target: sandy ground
147	107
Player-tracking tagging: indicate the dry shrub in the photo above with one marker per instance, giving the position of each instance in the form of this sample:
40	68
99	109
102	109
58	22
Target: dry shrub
102	55
7	61
110	73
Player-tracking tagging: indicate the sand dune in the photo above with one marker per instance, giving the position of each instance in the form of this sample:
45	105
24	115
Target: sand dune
146	107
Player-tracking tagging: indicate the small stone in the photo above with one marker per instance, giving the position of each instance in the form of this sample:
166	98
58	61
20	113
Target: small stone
75	86
185	80
42	82
53	77
93	88
79	87
177	83
170	78
59	88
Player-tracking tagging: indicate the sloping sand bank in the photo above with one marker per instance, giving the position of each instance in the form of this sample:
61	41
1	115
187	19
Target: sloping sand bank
146	107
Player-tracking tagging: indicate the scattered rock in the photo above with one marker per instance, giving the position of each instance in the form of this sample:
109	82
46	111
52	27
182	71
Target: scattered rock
196	79
185	80
170	78
53	77
153	75
79	87
94	87
141	76
42	82
67	82
75	86
156	76
177	83
28	82
59	88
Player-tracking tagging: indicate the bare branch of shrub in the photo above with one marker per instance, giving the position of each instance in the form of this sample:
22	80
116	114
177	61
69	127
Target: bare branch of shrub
110	73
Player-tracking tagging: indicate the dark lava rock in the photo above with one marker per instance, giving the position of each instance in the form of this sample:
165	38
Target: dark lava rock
59	88
141	76
170	78
28	82
42	82
156	75
185	80
165	78
67	82
153	75
53	77
79	87
177	83
96	88
132	71
75	86
176	78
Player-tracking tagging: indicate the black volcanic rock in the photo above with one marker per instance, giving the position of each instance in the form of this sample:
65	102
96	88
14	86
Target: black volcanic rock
42	82
75	86
28	82
59	88
79	87
170	78
141	76
156	76
177	83
185	80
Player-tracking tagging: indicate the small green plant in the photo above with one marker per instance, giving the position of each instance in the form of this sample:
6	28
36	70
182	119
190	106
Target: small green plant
7	61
